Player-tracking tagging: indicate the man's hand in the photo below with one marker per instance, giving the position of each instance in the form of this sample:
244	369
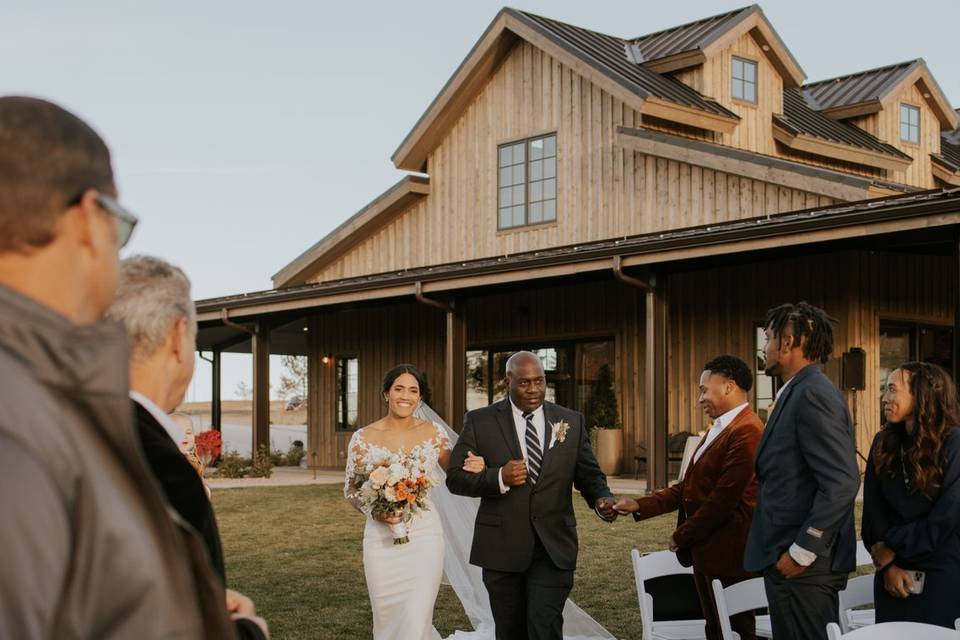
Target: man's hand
673	546
625	506
605	508
788	567
897	582
882	555
241	607
514	473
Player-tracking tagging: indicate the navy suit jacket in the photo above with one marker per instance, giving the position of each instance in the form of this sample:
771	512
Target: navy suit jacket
809	478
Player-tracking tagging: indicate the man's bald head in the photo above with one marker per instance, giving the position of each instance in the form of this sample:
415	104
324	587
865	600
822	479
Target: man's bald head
526	381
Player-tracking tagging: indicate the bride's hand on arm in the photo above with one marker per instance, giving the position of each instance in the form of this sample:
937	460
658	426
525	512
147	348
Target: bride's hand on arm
474	463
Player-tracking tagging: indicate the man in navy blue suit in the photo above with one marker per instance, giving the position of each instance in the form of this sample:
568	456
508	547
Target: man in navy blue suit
802	537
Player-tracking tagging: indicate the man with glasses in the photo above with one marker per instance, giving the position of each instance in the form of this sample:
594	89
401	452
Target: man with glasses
90	547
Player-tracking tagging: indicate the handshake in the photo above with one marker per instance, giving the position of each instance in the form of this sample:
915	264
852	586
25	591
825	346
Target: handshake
609	509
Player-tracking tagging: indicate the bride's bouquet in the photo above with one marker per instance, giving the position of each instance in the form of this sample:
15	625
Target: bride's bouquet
395	484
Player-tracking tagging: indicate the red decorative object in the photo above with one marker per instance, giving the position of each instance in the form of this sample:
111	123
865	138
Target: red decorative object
207	445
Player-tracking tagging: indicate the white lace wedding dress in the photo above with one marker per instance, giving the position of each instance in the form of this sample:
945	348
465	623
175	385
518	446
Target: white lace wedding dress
402	579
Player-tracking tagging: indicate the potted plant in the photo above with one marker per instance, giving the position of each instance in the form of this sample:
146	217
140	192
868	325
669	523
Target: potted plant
603	421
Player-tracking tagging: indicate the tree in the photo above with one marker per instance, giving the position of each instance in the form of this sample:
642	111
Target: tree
602	406
243	391
293	381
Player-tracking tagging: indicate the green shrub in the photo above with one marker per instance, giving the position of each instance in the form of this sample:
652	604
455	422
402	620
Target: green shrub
277	458
294	454
262	463
232	465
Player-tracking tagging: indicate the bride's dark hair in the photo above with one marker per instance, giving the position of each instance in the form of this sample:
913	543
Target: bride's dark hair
392	375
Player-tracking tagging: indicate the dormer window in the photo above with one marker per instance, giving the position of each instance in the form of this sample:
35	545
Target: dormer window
743	80
910	123
527	182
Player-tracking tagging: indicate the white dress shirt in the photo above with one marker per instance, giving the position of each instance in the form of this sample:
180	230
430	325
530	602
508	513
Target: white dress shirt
801	556
172	428
718	426
520	424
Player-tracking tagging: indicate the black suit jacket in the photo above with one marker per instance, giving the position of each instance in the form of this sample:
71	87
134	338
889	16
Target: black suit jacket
184	491
181	484
809	478
503	537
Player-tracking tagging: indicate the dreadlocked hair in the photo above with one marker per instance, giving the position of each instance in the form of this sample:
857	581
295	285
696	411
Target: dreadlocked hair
811	327
935	413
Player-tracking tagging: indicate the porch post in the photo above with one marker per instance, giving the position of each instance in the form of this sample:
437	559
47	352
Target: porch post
455	375
215	405
956	302
656	385
260	343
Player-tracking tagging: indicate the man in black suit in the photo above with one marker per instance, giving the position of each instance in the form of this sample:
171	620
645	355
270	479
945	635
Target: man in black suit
802	537
154	305
525	536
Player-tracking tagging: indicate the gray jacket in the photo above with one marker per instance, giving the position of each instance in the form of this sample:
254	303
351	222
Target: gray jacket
89	547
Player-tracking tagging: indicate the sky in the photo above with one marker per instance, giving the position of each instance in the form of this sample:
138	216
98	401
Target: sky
243	132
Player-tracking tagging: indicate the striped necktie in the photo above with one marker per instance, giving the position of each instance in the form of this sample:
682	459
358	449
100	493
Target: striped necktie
534	453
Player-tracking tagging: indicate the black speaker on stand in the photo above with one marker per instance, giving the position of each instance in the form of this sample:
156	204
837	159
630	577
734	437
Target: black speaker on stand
854	374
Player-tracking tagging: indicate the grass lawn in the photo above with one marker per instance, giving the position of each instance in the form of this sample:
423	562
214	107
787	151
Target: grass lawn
297	552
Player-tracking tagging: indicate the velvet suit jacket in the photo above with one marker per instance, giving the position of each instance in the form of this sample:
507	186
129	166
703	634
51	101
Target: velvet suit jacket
717	495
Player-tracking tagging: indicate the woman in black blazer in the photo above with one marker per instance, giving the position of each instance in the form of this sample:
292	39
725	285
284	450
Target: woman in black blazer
911	498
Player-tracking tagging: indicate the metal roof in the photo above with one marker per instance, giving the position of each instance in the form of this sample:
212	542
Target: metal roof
855	88
835	216
689	37
610	54
798	117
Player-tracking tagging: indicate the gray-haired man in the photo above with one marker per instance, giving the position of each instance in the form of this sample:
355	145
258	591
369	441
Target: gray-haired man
154	304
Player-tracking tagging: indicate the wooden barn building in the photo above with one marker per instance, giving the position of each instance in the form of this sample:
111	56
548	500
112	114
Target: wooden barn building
638	202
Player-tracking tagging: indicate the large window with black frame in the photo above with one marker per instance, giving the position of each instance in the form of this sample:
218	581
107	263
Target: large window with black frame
348	388
527	182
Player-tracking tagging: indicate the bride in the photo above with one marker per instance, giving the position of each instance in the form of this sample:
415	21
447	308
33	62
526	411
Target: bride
403	579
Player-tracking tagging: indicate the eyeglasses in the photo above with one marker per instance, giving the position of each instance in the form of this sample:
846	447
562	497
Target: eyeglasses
126	221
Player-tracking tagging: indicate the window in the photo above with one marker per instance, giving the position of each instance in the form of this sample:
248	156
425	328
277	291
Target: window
527	182
764	387
744	80
348	386
909	123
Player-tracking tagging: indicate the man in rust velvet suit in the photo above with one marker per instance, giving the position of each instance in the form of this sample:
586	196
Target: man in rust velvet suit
717	496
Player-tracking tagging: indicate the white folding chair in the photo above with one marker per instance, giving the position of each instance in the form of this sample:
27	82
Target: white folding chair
664	564
737	598
863	555
859	592
893	631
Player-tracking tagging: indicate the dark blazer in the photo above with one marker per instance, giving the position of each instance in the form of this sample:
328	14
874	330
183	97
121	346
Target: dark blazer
809	478
717	495
184	491
923	532
503	538
181	484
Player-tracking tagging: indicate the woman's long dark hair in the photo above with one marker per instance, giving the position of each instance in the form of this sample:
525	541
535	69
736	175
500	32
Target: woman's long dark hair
391	376
935	412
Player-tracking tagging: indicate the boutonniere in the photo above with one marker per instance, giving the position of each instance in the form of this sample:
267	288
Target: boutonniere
560	430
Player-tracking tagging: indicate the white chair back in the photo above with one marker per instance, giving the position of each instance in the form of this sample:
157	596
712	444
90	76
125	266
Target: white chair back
655	565
859	592
743	596
893	631
863	555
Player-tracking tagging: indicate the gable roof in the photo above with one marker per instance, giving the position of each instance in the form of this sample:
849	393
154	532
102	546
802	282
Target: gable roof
864	92
949	157
799	120
392	201
692	43
603	59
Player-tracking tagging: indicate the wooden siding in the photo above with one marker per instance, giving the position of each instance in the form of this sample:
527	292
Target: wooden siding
716	311
603	190
713	79
919	173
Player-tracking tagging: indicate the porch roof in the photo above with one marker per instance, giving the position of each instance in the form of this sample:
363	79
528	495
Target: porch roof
933	208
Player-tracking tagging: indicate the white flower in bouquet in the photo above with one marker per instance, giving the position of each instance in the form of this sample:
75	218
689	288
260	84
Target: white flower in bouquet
397	473
390	494
379	476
